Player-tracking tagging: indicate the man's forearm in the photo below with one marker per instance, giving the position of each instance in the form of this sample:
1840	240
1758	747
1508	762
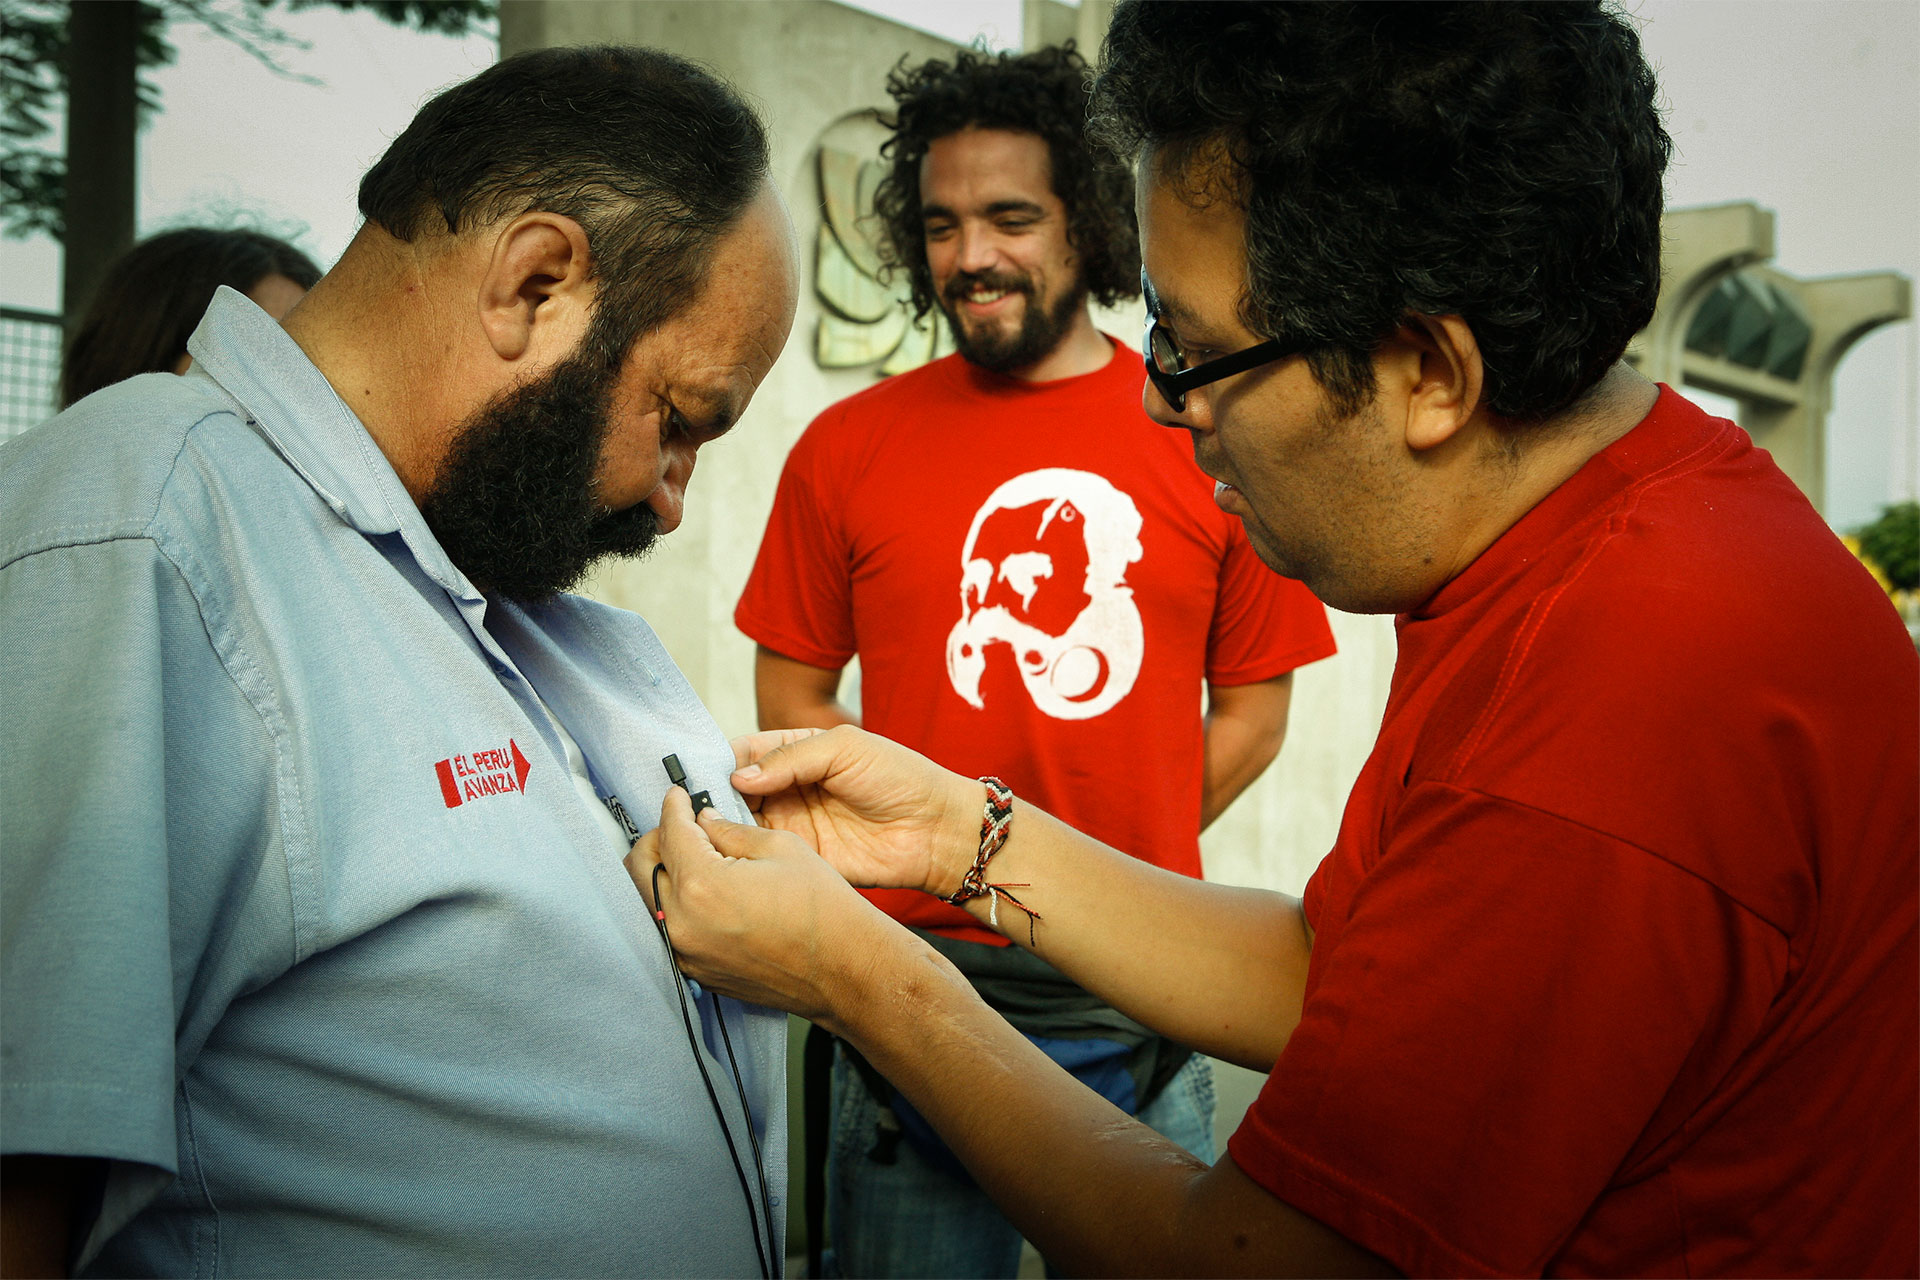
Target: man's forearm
790	694
1118	927
806	713
37	1203
1096	1191
1017	1120
1245	727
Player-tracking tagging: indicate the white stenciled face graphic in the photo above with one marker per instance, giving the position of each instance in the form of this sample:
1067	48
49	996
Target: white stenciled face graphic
1044	572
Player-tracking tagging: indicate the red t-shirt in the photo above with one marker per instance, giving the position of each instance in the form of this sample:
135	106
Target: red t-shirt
1614	966
1037	580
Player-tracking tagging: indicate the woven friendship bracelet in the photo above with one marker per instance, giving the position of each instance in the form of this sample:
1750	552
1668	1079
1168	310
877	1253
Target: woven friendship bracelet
995	823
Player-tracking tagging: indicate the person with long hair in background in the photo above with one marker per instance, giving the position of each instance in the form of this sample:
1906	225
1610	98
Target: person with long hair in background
154	295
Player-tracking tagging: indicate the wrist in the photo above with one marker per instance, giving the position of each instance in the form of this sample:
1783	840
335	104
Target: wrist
978	881
901	980
956	836
881	963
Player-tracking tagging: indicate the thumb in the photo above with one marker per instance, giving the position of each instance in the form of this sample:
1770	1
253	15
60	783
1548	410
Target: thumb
772	762
667	848
739	839
679	837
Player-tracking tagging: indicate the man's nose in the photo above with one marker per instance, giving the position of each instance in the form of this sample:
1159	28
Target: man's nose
669	496
1192	418
979	249
680	459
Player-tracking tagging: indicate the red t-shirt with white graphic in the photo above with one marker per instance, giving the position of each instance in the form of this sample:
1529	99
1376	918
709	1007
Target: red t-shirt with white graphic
1037	581
1614	967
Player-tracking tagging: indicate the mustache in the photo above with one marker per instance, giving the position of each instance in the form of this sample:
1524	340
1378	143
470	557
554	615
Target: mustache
967	281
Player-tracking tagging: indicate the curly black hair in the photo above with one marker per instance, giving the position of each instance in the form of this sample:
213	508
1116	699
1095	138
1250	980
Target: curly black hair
1044	93
1500	162
654	156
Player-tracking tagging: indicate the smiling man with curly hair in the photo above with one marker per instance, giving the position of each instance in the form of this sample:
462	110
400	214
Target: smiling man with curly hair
1036	581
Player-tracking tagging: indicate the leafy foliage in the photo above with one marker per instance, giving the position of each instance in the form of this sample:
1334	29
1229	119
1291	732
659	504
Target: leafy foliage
1893	543
437	17
33	75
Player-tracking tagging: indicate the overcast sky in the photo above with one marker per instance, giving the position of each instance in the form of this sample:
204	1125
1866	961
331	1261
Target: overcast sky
1808	107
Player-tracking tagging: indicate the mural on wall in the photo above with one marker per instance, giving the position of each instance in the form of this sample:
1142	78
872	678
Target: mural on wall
863	319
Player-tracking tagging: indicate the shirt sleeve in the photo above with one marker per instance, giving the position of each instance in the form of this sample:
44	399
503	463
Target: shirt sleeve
1264	625
139	781
1498	1033
798	600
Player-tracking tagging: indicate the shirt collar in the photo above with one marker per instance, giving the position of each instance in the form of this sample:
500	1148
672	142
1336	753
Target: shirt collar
291	403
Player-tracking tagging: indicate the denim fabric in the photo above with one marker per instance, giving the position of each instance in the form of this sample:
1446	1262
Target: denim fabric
304	926
912	1219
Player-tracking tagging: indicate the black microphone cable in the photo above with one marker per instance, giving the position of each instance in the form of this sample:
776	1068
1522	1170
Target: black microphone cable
765	1249
726	1131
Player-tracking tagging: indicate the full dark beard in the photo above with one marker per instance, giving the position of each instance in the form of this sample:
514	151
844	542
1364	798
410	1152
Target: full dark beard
1041	329
513	504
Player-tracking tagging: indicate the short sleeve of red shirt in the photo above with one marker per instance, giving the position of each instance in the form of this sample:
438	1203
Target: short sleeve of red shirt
1420	1136
798	599
1264	625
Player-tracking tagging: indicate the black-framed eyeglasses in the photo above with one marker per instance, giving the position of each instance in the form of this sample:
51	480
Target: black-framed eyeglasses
1167	364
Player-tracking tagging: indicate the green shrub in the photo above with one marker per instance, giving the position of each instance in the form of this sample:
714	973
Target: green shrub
1893	543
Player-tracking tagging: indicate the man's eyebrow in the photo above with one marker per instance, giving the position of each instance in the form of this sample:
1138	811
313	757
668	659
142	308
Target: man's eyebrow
994	210
1178	312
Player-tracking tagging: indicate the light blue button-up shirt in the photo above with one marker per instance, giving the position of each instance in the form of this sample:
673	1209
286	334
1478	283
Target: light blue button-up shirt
303	925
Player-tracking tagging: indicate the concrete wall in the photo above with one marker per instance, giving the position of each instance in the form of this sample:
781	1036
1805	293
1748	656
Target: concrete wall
811	65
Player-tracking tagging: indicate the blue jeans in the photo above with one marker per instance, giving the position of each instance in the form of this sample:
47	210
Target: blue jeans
910	1218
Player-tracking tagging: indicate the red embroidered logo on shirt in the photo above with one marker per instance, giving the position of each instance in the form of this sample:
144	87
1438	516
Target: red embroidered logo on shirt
483	773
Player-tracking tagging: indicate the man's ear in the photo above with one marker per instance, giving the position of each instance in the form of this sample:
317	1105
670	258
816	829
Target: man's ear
1446	377
536	293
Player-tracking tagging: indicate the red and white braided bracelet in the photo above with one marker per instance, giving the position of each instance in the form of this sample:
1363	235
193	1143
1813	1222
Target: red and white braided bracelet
995	824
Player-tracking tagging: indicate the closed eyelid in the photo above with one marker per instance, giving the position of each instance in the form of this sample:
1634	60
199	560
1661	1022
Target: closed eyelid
710	418
1184	340
1194	339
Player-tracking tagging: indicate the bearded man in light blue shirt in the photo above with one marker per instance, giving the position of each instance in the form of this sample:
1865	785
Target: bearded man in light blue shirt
318	952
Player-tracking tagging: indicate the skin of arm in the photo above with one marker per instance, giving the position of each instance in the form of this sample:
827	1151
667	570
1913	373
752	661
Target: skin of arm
886	817
753	913
1245	725
790	694
1098	1192
1120	927
38	1196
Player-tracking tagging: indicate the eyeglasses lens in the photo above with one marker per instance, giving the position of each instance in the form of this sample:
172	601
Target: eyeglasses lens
1165	354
